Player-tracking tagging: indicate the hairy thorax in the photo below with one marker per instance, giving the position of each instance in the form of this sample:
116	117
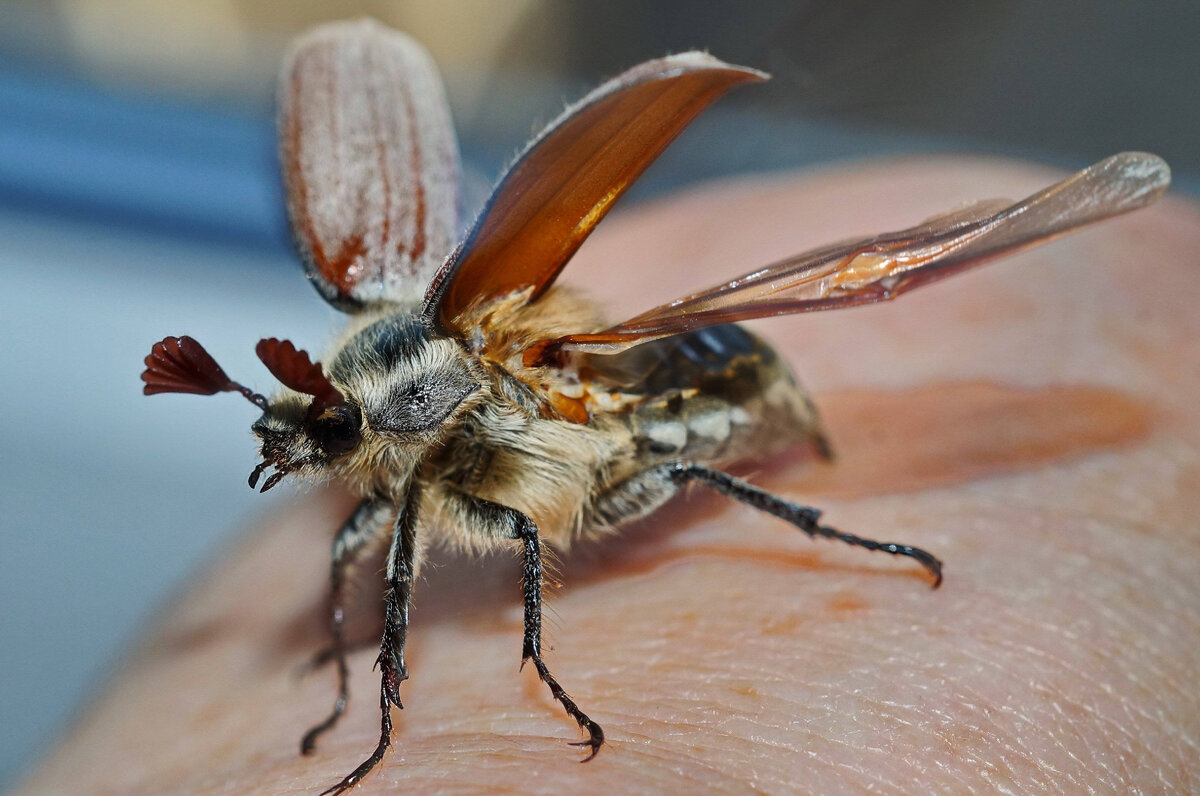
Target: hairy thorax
471	420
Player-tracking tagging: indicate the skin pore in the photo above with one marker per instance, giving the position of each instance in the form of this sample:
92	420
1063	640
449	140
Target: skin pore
1033	424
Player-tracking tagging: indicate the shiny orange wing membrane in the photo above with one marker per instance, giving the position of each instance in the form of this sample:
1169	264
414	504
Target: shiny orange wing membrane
370	163
570	175
882	267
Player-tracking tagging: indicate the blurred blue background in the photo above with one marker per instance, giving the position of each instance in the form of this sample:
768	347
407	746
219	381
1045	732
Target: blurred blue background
139	197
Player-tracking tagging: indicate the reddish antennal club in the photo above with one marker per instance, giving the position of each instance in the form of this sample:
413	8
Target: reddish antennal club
180	364
296	370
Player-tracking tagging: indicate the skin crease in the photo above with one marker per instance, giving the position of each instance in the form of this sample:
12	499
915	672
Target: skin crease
722	650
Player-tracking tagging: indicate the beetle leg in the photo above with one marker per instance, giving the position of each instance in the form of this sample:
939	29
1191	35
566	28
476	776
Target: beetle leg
385	740
527	533
401	566
803	517
494	521
364	526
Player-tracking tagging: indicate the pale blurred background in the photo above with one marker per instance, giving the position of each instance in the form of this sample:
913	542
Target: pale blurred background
139	197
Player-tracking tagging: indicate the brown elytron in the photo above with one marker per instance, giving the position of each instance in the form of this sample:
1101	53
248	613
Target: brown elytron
469	400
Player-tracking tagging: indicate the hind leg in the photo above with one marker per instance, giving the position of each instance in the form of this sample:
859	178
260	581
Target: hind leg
643	493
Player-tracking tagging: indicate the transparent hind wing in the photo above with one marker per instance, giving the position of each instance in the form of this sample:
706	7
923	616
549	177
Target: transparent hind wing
882	267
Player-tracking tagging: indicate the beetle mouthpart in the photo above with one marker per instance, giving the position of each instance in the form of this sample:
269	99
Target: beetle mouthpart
258	471
275	478
281	469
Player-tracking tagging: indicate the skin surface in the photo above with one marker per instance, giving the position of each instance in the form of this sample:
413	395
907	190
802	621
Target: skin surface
1033	423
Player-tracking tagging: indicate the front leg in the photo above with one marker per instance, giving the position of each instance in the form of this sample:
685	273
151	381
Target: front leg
401	566
368	522
500	522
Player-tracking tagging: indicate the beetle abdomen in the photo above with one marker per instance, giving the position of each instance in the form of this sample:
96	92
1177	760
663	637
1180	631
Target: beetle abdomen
717	394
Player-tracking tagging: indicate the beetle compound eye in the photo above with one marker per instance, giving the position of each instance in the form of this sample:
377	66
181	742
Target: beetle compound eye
418	399
339	430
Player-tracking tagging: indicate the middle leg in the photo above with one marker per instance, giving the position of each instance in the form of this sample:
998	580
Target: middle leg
495	521
526	531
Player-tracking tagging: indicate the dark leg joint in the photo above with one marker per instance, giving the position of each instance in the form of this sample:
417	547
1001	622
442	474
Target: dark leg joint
392	678
391	652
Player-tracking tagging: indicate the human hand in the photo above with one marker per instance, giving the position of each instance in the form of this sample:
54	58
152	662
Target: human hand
1033	424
